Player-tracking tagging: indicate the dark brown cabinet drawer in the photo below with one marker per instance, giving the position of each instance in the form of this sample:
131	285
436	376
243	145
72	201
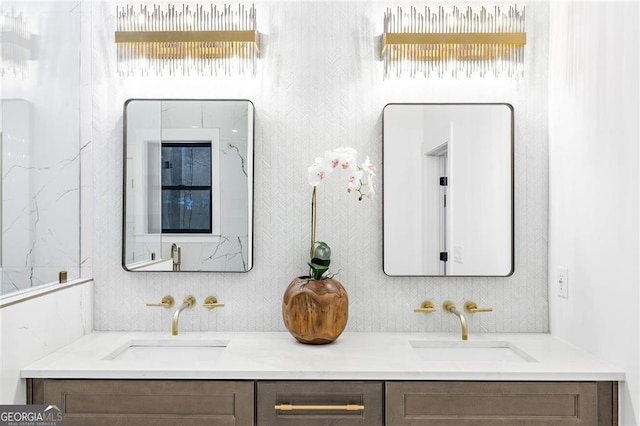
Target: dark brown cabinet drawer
148	402
313	403
501	403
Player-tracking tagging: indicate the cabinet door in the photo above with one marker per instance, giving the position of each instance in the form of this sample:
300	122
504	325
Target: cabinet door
500	403
148	402
319	403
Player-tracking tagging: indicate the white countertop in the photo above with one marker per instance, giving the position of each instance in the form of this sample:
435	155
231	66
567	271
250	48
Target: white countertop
354	356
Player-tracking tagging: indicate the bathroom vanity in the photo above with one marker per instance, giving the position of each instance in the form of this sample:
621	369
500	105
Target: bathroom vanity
361	379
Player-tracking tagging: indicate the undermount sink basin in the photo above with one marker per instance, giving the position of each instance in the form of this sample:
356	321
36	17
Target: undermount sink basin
469	351
169	350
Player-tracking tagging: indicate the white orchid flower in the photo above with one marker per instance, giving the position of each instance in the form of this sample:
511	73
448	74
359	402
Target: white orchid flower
318	171
371	187
358	176
343	158
354	181
368	167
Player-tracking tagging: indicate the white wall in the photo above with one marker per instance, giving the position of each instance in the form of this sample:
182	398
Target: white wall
594	184
319	85
33	328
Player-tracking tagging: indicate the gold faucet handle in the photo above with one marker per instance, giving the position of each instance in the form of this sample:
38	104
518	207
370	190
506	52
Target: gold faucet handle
190	301
472	308
426	307
448	305
211	302
167	302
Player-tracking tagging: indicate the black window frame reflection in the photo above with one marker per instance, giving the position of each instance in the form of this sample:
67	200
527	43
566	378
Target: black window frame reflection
188	188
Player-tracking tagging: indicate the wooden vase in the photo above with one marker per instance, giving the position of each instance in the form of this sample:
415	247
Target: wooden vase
315	311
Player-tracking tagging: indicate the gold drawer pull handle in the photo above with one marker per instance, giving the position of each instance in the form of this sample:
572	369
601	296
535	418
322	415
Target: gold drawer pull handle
291	407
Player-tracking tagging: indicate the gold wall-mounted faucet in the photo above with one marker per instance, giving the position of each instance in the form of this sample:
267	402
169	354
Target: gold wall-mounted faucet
426	307
212	302
166	302
472	308
189	302
450	307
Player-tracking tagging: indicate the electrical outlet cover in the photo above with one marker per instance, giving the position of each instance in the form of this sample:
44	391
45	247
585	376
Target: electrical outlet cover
563	282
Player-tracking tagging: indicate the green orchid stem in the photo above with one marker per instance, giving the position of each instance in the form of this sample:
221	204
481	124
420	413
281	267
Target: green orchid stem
313	220
360	193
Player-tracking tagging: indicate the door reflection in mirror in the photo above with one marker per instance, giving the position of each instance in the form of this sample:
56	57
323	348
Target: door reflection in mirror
448	189
188	185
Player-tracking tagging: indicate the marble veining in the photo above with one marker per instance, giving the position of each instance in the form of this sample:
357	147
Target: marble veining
228	255
240	156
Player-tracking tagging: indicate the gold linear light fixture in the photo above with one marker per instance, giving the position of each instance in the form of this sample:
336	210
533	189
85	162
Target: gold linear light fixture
186	40
435	42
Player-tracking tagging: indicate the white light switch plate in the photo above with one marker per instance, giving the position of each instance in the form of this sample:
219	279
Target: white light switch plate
563	282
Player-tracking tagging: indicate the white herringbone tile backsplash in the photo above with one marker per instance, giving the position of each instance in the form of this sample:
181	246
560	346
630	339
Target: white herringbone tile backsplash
319	85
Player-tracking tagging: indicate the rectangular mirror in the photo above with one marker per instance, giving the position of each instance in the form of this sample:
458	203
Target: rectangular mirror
448	190
188	185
